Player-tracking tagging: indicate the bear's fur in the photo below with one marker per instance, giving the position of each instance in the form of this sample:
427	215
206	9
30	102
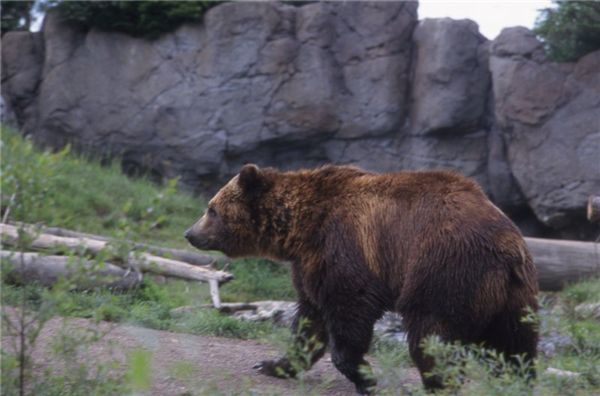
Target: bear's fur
428	245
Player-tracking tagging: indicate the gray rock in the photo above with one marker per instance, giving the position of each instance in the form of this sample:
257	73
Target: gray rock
561	373
451	77
390	326
549	118
279	312
21	73
589	310
551	344
253	79
7	115
502	187
518	42
300	86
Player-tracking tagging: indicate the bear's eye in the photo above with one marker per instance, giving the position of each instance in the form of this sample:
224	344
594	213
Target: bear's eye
211	212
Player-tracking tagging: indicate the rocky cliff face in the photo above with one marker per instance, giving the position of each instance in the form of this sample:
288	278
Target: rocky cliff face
359	83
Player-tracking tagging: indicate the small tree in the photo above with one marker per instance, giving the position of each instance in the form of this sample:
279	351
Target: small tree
571	29
147	19
16	15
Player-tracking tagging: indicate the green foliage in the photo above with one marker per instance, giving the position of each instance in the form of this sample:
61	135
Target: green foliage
147	19
15	15
571	29
26	177
70	348
475	371
584	291
80	194
257	279
394	363
210	322
9	366
300	352
581	354
139	370
472	370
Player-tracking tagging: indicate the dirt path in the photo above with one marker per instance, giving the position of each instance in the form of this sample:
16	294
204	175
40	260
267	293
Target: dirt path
184	364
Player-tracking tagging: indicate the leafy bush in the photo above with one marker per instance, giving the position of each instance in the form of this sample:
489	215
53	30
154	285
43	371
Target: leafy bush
15	15
571	29
147	19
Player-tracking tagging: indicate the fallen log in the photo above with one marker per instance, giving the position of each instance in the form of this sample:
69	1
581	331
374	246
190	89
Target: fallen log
26	268
561	262
142	261
176	254
558	262
593	209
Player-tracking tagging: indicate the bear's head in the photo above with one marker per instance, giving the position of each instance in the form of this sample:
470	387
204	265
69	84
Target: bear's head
231	221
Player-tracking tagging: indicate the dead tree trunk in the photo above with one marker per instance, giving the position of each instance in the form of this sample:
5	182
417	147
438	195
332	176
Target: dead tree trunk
593	209
25	268
176	254
143	261
561	262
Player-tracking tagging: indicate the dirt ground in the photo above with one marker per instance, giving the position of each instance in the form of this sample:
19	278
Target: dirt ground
185	364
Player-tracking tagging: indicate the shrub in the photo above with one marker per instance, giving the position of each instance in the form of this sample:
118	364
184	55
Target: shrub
16	15
570	30
148	19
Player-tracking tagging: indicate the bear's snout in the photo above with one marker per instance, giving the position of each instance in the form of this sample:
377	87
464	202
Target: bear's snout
199	237
194	239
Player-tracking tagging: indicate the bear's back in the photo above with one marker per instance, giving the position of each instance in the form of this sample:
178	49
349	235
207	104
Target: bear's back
433	225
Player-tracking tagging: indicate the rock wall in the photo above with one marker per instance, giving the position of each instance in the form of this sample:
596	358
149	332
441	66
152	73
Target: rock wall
363	83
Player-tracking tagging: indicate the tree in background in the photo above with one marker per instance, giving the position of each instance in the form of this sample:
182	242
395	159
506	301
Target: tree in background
15	15
148	19
571	29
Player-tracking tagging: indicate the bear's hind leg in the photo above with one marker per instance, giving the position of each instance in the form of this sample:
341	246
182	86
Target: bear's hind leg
422	325
309	344
350	333
510	335
418	329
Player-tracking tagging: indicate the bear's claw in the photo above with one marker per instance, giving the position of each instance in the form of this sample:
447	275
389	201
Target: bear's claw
275	368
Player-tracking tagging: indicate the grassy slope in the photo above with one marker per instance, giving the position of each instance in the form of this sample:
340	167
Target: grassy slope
85	196
80	194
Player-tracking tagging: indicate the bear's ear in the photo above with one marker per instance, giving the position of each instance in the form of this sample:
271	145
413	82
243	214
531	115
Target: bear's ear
250	178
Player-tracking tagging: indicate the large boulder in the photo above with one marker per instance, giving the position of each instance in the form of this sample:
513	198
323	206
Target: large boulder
451	78
22	62
7	115
549	117
253	82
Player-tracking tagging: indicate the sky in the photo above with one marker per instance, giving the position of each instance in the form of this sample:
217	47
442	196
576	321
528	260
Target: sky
491	15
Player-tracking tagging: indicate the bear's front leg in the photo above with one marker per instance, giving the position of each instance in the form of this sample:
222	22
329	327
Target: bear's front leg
350	340
352	305
309	345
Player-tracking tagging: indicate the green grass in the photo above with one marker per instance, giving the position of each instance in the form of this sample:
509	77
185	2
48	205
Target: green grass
68	190
83	195
257	279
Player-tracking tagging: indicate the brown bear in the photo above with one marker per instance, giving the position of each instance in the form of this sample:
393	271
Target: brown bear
429	245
